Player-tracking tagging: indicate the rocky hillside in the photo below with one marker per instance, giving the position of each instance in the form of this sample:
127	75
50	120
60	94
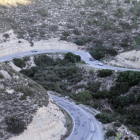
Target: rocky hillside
20	99
93	23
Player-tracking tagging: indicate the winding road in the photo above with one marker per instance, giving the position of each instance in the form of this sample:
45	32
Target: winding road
86	126
84	55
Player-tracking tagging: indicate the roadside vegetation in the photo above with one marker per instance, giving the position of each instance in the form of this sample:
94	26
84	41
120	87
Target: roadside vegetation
89	87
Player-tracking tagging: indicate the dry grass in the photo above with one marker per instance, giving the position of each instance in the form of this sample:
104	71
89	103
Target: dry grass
14	2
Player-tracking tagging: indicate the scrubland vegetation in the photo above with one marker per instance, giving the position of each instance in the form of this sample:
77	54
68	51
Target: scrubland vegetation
88	87
104	27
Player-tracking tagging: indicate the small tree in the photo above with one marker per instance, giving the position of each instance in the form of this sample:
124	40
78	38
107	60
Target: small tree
135	24
108	24
134	44
99	21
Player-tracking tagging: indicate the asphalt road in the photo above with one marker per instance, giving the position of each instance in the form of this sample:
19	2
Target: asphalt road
85	126
84	55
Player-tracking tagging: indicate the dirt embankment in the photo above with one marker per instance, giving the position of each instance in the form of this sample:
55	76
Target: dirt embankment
48	123
129	59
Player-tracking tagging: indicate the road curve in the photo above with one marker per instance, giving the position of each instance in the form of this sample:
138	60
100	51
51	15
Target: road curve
83	127
84	55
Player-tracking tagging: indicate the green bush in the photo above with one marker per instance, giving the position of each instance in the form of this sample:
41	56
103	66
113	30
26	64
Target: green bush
80	42
104	118
93	86
130	77
19	62
121	101
104	73
125	25
43	60
100	52
91	71
124	81
138	40
1	76
76	32
119	12
15	125
110	133
65	33
28	72
134	96
83	96
72	57
57	87
43	12
111	51
26	58
6	35
117	124
135	130
97	53
53	28
119	88
102	94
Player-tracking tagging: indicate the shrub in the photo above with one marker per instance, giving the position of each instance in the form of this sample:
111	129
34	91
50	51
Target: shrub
43	60
26	58
28	72
125	25
121	101
6	35
19	62
102	94
43	12
32	43
82	12
112	51
83	96
104	118
76	32
119	88
93	86
97	53
80	42
65	33
119	12
110	133
1	76
104	73
57	87
135	130
100	52
15	125
72	57
53	28
130	77
91	71
117	124
138	40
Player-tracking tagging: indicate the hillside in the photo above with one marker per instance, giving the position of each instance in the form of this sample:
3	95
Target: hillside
25	105
94	24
